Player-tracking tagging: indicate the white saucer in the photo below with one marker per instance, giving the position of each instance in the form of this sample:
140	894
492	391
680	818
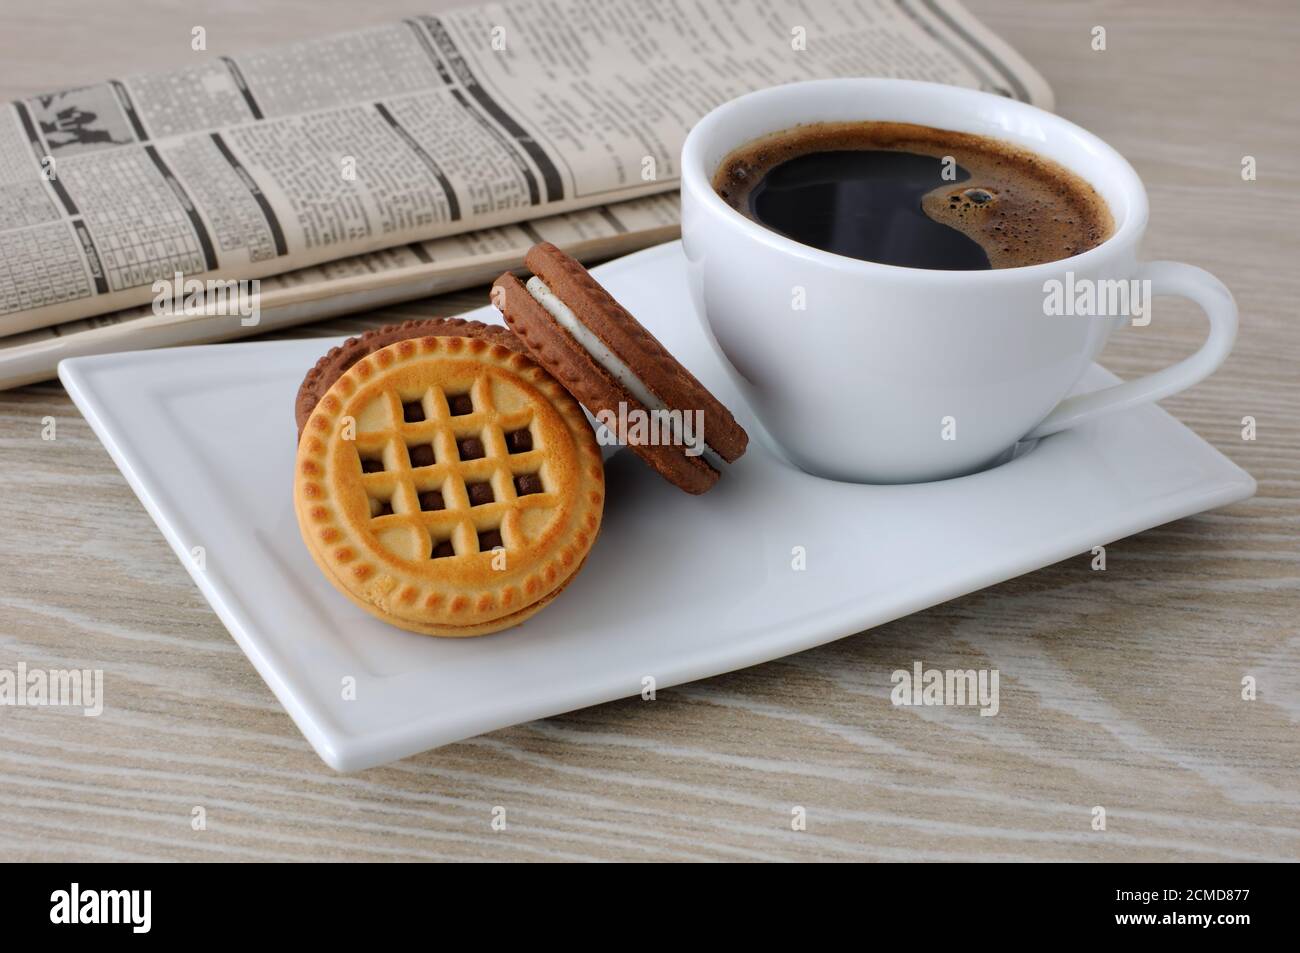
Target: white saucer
677	588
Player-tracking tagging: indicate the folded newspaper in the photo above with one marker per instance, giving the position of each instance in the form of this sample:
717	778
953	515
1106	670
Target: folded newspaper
409	159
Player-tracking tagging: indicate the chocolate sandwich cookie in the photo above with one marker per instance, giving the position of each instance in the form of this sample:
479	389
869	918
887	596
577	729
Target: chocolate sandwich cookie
335	363
576	330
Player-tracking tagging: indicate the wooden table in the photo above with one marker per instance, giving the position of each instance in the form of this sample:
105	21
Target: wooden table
1119	688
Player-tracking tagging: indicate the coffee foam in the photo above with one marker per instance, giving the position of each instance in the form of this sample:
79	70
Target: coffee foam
1022	208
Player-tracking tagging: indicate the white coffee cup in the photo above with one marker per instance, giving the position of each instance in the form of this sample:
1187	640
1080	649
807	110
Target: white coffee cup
898	375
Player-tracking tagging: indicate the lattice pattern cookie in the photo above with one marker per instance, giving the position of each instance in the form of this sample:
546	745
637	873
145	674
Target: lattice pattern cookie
448	485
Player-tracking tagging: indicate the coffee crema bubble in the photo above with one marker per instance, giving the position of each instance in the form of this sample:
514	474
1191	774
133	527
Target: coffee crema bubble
914	196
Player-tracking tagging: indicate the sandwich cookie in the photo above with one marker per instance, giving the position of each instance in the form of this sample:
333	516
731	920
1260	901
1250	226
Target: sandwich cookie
448	485
332	365
576	330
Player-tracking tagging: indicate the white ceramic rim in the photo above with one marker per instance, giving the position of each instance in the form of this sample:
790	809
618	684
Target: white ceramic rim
697	180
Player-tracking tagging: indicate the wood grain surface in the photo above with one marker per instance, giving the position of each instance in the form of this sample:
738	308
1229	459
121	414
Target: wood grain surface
1119	689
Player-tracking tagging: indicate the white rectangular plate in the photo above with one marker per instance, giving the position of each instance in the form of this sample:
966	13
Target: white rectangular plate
677	588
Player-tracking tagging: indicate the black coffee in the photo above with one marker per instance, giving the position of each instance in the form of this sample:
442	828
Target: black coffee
908	195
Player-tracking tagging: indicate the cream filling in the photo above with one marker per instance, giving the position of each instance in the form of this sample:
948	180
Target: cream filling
606	358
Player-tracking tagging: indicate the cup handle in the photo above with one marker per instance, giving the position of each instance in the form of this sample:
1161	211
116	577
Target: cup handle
1167	278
